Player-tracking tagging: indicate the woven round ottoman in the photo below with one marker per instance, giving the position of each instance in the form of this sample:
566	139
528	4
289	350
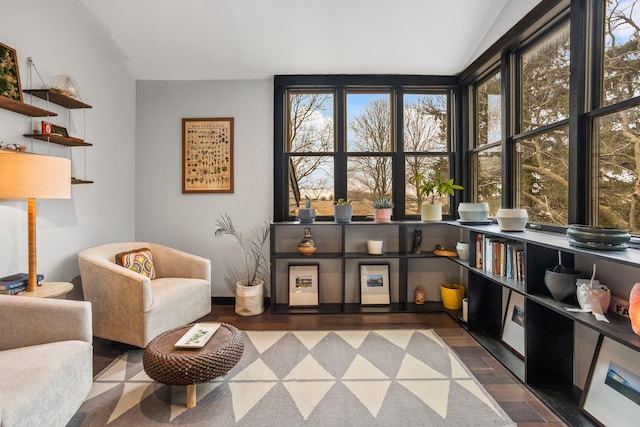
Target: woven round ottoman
169	365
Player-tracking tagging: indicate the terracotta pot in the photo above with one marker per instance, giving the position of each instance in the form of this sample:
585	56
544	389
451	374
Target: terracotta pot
382	215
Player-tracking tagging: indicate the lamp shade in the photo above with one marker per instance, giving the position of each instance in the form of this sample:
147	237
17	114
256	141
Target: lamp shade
33	176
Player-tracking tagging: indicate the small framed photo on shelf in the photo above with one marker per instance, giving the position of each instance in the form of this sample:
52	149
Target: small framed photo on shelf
513	324
374	284
612	394
304	288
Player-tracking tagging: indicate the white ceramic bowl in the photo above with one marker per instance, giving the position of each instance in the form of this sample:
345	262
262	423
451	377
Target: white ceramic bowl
512	219
473	211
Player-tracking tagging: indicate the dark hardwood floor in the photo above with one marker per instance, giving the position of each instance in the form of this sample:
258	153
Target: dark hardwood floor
520	404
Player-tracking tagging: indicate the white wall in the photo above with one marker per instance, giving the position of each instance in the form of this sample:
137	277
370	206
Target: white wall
186	221
51	33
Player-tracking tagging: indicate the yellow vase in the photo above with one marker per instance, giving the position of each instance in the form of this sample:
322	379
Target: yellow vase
452	295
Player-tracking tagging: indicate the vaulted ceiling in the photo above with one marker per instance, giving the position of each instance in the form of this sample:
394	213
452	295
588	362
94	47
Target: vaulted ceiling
253	39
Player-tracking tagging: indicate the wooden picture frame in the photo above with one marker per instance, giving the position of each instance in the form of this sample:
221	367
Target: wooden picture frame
304	287
207	155
612	394
512	334
374	284
10	85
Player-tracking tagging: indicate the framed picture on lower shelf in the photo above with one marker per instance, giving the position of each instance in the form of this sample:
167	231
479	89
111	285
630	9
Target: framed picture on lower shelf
612	393
304	288
513	324
374	284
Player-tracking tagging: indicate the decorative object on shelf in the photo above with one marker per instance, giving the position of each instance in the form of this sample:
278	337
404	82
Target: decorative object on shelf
307	246
382	209
599	238
207	155
342	211
452	295
473	212
418	295
374	284
254	269
561	285
634	308
512	219
307	215
560	280
429	188
374	247
611	395
31	177
619	306
465	310
304	288
512	333
462	248
593	297
66	85
12	147
9	74
417	241
442	251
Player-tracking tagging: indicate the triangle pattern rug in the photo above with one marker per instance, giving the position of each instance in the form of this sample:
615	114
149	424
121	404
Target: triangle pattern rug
310	378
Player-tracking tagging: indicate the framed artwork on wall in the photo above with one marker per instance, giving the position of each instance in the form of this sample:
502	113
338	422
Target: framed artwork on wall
374	284
513	324
10	86
207	155
612	394
304	288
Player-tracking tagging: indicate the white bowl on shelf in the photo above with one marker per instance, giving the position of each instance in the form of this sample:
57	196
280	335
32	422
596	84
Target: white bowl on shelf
463	250
512	219
473	211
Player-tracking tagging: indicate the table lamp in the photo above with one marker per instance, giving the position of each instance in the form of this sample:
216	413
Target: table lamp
31	177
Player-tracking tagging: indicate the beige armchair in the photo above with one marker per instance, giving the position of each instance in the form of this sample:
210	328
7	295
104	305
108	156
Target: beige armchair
130	308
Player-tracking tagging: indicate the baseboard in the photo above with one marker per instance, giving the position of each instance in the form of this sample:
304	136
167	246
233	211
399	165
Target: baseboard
232	301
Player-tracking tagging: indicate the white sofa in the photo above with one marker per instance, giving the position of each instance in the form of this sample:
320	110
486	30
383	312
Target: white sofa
46	360
130	308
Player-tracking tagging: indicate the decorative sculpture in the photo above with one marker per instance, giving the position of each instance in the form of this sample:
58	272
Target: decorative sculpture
417	241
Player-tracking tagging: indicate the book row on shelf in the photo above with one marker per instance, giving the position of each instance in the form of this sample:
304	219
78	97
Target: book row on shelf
500	256
16	283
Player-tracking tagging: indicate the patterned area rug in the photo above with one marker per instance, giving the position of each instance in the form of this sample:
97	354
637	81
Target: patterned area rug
311	378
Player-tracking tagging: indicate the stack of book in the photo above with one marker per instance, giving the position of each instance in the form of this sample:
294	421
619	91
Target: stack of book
500	256
16	284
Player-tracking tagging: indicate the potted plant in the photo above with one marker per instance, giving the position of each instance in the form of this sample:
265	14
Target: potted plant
429	188
252	269
382	209
342	210
307	215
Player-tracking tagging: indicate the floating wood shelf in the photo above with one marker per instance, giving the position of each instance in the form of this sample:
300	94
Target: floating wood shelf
22	108
80	181
57	98
59	139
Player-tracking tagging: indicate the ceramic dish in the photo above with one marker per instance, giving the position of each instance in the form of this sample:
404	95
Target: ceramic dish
603	235
598	246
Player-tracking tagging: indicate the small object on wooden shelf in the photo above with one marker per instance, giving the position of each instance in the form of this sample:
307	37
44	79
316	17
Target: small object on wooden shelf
374	247
417	241
307	246
442	251
418	296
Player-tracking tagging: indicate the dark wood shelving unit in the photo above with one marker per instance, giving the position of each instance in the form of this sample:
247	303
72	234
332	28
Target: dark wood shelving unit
80	181
24	109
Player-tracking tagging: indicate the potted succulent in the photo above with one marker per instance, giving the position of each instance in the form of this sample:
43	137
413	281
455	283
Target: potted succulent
429	188
342	210
252	269
307	215
382	209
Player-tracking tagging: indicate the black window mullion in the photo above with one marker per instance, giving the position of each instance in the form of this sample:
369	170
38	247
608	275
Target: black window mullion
510	98
397	162
281	161
340	156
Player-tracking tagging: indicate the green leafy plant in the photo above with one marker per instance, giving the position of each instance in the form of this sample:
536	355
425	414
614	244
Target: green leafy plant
383	203
436	186
255	264
342	202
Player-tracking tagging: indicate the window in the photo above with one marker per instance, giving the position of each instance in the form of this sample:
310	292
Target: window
487	156
616	136
542	160
359	138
